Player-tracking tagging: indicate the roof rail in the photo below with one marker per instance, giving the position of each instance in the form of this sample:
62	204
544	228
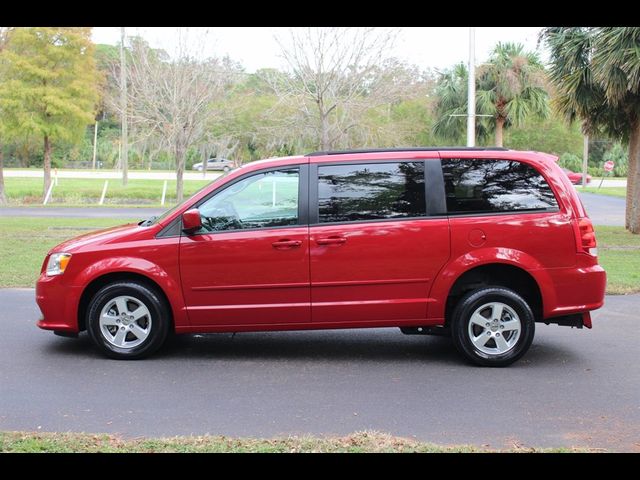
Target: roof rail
403	149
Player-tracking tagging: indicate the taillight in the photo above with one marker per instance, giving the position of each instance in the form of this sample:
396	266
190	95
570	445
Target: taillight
585	236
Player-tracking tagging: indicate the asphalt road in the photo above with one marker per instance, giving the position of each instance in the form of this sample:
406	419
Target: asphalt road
80	212
573	388
603	210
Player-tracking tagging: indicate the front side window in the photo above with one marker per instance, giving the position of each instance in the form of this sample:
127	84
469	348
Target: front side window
490	186
374	191
264	200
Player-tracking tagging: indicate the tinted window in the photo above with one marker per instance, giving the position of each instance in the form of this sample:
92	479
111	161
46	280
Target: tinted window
371	191
482	186
268	199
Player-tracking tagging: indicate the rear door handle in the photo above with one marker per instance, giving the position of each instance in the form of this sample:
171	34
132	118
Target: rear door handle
334	240
285	243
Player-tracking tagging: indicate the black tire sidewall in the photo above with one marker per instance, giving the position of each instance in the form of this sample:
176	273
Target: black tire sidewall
462	314
151	299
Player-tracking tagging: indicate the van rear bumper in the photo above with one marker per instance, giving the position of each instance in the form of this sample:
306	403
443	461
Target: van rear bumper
576	291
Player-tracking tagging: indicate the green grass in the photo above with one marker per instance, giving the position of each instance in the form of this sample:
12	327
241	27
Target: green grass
24	242
619	254
610	191
360	442
87	191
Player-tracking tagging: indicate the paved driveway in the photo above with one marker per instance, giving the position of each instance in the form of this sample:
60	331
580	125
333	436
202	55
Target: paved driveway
574	387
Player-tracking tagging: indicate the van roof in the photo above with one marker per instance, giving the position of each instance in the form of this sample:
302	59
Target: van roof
405	149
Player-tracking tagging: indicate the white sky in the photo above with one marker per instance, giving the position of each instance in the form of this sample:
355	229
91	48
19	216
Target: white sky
255	47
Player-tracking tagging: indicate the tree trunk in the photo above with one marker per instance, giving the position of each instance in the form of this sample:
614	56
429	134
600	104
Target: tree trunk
632	217
47	166
3	198
324	132
499	128
180	158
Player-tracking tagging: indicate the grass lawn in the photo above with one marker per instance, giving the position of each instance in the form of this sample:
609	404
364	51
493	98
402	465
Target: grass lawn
87	191
361	442
611	191
24	241
619	254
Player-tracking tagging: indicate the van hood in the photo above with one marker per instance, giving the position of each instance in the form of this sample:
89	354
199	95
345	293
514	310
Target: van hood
101	237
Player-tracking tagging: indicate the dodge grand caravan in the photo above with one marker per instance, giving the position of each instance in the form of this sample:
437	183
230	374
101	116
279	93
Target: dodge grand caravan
479	244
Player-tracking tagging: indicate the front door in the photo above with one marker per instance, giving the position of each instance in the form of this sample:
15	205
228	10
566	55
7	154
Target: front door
374	250
249	264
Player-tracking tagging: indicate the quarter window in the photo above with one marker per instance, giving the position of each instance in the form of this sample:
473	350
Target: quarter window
348	193
489	186
268	199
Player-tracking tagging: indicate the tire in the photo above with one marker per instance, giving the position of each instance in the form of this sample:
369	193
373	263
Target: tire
502	317
226	169
119	328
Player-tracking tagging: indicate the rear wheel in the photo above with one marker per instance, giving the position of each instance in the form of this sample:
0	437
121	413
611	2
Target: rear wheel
128	320
226	169
492	326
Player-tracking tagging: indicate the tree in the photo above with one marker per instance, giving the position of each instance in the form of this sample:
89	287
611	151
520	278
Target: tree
510	88
550	135
335	75
596	71
3	38
50	85
451	106
171	98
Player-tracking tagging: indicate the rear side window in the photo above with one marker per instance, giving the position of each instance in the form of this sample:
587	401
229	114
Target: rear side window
374	191
489	186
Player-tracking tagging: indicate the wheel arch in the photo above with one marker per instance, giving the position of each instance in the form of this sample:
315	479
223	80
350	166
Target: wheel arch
97	283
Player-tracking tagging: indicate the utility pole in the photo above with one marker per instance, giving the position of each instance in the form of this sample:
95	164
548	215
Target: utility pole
471	91
123	107
585	160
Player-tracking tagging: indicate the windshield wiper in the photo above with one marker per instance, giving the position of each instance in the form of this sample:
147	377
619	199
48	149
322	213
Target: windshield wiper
148	221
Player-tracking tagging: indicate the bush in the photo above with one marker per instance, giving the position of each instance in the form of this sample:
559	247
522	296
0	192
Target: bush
596	171
618	156
570	161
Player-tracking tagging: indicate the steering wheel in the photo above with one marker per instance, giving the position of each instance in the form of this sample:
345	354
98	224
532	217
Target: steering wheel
222	217
230	210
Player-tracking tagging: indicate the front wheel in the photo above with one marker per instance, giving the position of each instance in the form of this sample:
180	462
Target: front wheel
492	326
128	320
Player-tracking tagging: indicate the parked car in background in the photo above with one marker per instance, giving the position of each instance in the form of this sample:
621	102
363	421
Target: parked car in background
576	178
215	164
475	243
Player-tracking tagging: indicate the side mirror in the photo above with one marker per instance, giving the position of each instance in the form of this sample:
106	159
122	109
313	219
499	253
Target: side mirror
191	221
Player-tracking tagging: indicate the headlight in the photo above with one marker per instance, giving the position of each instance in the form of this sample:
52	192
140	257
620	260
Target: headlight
57	263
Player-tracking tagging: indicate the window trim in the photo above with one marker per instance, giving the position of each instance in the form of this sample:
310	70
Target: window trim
303	205
502	212
172	229
314	205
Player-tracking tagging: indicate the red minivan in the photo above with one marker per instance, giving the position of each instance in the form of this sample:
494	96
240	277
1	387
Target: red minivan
475	243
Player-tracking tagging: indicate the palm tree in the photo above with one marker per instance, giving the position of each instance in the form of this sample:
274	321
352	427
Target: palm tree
596	71
510	87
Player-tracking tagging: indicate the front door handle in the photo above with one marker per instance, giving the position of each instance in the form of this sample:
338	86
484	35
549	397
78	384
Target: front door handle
333	240
285	243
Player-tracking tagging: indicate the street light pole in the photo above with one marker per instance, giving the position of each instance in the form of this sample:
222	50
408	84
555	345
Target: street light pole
123	108
471	91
